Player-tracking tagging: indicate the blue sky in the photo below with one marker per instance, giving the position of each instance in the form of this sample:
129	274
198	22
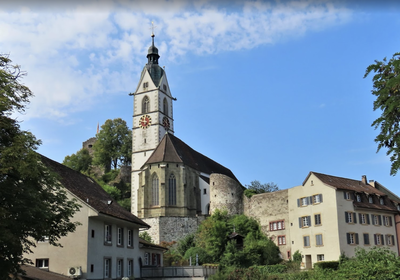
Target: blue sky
272	90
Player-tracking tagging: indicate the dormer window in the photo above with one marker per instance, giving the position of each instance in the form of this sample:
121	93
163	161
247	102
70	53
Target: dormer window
398	207
358	197
347	196
381	201
370	199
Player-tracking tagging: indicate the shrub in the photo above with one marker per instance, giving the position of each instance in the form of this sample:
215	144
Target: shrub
192	252
327	265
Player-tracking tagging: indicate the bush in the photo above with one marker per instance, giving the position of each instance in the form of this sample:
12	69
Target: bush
203	256
327	265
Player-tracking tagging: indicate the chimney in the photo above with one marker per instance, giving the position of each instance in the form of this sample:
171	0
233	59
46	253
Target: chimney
364	179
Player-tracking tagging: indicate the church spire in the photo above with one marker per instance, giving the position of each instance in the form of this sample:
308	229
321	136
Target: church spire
152	54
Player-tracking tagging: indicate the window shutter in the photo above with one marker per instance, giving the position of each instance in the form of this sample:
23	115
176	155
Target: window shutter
309	220
348	238
375	239
298	202
344	195
390	221
310	200
359	217
300	225
356	238
383	243
367	215
380	219
320	197
366	239
355	218
346	217
352	196
392	239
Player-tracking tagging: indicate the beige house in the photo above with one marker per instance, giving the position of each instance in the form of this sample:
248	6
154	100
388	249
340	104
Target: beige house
105	245
331	215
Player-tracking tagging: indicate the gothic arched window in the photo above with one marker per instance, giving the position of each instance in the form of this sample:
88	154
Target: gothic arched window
145	105
155	191
172	190
165	107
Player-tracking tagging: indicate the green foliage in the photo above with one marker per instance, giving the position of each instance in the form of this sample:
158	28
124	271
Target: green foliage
126	203
185	244
202	255
297	256
386	88
327	265
256	187
114	145
81	161
33	203
249	193
146	236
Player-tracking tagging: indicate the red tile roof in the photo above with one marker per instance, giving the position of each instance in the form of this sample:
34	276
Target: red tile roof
173	150
90	192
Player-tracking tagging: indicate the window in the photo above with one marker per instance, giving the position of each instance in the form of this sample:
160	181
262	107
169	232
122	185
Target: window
376	220
320	258
288	255
172	190
145	84
318	240
352	238
305	221
366	238
304	201
204	191
389	240
387	221
155	191
364	218
107	268
165	106
306	241
145	105
381	201
281	240
350	217
164	87
317	198
370	199
378	238
130	238
317	219
130	268
146	258
120	268
120	236
358	197
277	225
347	196
42	263
398	207
107	234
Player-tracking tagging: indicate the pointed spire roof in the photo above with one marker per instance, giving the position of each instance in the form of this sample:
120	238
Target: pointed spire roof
155	71
171	149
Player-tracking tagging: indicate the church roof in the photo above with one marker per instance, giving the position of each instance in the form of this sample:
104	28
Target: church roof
156	73
174	150
90	192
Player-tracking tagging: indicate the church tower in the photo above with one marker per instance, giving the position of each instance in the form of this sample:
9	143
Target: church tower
152	116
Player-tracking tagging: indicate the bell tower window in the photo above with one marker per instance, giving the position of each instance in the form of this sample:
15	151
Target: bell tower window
155	191
145	105
165	106
172	190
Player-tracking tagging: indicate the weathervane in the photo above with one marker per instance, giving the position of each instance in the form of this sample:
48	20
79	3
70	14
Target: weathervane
152	28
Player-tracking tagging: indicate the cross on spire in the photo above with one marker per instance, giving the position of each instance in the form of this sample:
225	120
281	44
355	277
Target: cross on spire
152	28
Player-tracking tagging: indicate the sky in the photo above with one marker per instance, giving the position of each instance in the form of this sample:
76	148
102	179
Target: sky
270	89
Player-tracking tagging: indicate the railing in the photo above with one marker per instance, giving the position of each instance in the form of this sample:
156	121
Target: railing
178	271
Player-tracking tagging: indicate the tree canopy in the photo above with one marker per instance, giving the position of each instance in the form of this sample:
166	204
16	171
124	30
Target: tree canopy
33	204
114	144
386	88
256	187
80	161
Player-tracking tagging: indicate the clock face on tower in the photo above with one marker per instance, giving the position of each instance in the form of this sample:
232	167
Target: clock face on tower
145	121
165	123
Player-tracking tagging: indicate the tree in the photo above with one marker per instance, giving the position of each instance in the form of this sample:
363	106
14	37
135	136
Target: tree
256	187
114	145
386	88
80	161
33	204
146	236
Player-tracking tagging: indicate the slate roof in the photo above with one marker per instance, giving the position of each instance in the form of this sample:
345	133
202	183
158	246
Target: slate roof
359	187
151	245
34	273
90	192
173	150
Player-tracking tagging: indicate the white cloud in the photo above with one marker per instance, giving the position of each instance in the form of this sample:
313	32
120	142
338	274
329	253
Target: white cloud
77	51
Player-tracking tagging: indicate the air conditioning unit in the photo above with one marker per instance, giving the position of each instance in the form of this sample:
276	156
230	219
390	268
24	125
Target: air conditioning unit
74	271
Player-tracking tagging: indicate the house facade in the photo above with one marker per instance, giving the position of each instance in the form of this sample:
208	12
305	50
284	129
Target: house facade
106	243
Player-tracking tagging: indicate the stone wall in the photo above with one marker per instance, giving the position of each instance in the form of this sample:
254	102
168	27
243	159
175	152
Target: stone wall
225	194
88	144
267	208
172	228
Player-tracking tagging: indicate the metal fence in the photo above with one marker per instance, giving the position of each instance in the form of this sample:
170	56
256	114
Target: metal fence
178	271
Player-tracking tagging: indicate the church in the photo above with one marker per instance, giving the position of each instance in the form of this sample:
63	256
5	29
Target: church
170	180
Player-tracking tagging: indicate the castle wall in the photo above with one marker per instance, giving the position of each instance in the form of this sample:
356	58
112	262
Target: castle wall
270	209
172	228
225	194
